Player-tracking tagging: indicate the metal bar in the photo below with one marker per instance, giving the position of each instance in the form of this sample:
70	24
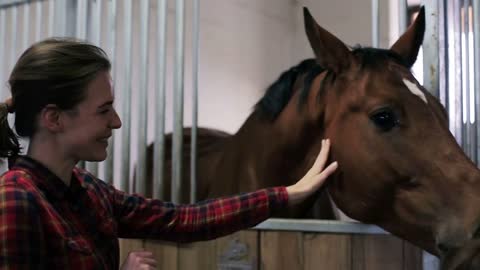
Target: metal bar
460	72
94	36
112	12
375	23
38	20
141	175
315	225
430	48
177	155
60	18
455	71
13	33
159	143
97	22
443	53
51	15
126	96
466	89
3	36
402	16
81	33
476	69
26	26
81	25
193	149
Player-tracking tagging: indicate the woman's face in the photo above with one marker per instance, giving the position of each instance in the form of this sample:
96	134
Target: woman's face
89	125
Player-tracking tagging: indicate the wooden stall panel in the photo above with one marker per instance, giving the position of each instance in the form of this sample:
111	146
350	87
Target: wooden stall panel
281	250
327	251
166	253
128	245
412	257
377	252
238	251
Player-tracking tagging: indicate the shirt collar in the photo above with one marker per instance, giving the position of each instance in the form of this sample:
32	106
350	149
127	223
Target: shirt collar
46	180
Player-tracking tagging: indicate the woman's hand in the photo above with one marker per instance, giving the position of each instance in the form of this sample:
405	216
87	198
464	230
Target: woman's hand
314	178
139	260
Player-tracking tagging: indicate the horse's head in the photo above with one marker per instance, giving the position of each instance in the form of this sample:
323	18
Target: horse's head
399	166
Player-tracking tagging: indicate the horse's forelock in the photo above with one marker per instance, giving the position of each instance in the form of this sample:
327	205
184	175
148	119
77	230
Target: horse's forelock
373	58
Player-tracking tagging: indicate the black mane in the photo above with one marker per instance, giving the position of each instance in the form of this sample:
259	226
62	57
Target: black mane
279	93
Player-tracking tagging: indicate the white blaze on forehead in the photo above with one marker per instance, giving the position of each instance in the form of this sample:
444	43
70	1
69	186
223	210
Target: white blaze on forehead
415	90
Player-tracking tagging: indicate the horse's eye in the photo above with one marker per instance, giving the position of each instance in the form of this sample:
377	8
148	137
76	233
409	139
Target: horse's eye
384	119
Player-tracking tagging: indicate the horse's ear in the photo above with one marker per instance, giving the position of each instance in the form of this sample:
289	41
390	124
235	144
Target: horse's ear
331	53
408	44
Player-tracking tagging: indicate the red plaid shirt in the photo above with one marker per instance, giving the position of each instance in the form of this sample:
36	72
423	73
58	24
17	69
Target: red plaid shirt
45	224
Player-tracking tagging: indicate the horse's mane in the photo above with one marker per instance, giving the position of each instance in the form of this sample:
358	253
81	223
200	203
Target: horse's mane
278	94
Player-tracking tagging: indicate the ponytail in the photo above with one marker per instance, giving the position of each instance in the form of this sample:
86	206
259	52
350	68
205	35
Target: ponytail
9	145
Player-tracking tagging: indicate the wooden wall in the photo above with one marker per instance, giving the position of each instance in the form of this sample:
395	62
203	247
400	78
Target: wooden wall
282	250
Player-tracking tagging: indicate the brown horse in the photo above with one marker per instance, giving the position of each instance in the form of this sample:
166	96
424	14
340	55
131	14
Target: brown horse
399	166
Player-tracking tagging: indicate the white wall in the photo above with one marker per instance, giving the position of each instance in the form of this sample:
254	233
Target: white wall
244	46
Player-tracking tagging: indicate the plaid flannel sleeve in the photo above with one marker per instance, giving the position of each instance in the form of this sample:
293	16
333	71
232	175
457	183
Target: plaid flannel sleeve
147	218
20	230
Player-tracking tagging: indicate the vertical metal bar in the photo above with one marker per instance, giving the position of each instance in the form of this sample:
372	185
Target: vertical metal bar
126	96
97	22
402	15
112	12
51	15
469	87
443	53
140	186
95	30
81	25
177	155
159	143
455	71
81	33
13	33
59	27
3	36
375	24
193	149
476	70
26	26
38	20
431	78
466	90
431	47
460	70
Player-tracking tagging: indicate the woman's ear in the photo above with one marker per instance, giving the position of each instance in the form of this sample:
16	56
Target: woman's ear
50	118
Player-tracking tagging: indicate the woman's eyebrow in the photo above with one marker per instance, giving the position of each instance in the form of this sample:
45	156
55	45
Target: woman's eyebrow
107	103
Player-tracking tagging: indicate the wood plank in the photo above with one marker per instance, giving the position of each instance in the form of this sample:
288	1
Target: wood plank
240	248
281	250
128	245
327	251
412	257
377	252
166	253
196	256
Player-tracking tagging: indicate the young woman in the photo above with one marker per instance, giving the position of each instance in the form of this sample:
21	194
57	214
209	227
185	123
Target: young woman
54	215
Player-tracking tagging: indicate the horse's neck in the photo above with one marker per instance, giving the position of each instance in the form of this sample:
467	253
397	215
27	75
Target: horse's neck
262	155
